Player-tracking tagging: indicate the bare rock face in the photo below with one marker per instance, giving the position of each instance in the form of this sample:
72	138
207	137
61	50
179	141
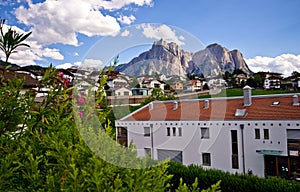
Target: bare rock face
215	59
166	58
239	61
162	58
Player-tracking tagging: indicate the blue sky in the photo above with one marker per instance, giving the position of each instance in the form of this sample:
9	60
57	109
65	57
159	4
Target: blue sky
267	32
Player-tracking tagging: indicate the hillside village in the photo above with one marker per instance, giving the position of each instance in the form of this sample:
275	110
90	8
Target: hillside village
122	85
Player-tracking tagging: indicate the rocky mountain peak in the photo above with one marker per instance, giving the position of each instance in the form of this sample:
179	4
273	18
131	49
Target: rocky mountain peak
168	59
171	46
160	42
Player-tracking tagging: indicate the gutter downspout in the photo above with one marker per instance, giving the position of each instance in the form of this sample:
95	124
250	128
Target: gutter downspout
152	148
243	147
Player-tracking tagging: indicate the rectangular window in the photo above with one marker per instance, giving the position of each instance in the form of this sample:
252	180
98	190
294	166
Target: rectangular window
168	131
206	159
174	131
146	131
122	131
266	133
234	149
148	151
119	131
179	131
257	133
204	133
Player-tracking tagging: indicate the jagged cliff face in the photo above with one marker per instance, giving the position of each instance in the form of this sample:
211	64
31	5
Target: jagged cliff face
215	59
167	58
162	58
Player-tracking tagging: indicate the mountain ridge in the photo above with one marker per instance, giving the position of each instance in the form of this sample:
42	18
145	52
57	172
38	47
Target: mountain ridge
167	58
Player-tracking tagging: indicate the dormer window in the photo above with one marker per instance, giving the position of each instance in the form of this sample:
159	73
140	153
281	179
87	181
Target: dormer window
240	112
276	103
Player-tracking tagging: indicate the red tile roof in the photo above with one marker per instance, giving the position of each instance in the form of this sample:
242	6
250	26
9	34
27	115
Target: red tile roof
220	109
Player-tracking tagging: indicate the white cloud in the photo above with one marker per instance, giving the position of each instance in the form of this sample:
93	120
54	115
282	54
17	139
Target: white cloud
59	21
92	63
52	53
24	57
285	64
162	31
8	2
77	63
118	4
125	33
126	19
64	66
181	38
29	55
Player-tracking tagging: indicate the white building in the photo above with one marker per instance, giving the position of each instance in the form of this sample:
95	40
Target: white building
153	83
118	82
195	85
273	83
121	92
260	134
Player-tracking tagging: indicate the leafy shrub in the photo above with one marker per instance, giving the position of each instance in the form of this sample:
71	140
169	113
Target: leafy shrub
49	154
229	182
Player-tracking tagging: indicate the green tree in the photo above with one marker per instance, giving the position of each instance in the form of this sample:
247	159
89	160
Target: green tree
251	82
238	71
227	76
135	83
243	83
11	40
258	80
295	74
205	86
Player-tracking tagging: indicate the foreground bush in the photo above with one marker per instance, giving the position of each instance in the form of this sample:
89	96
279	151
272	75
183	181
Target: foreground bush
229	182
56	145
41	148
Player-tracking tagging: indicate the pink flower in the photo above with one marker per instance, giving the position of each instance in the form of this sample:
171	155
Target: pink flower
99	106
81	101
80	114
66	86
61	74
67	81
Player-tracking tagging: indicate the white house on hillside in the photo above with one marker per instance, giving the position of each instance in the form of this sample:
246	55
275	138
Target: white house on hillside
273	83
153	83
123	91
258	134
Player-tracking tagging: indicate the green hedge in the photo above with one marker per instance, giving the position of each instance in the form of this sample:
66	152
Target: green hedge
229	182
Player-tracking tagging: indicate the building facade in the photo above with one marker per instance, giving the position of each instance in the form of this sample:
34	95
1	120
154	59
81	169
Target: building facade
258	135
272	83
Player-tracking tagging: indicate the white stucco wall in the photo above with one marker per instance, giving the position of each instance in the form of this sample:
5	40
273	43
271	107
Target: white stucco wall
218	144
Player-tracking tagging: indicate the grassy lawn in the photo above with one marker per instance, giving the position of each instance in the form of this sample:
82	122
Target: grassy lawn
239	92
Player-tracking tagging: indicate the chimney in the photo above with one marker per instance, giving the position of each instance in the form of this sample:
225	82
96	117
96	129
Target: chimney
175	105
247	95
295	100
206	104
150	106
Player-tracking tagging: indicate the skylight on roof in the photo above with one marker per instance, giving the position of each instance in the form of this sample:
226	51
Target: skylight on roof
240	112
276	103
